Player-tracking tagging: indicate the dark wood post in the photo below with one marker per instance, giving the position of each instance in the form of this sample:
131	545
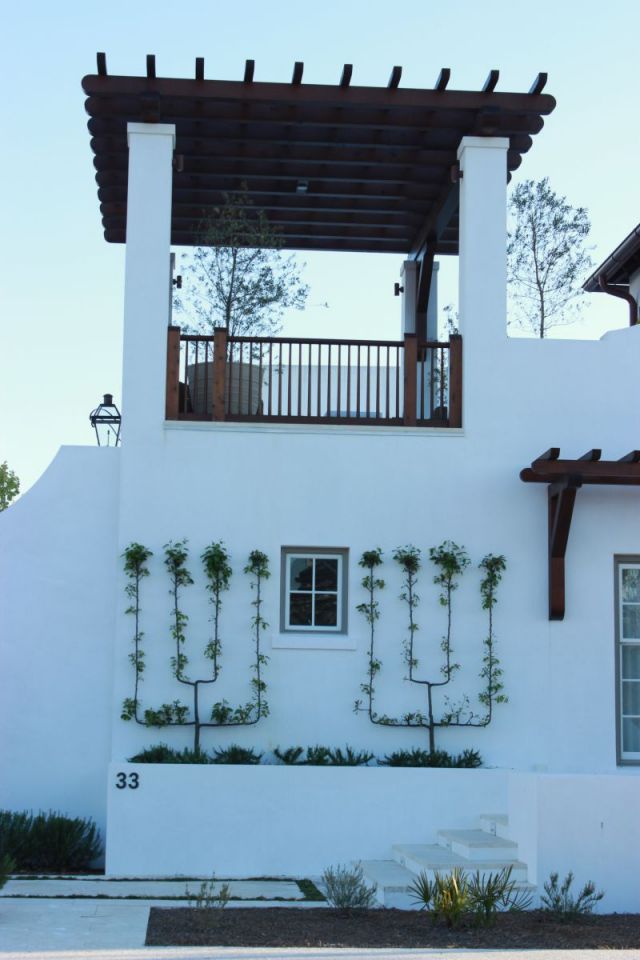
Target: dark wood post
172	402
410	378
455	380
219	371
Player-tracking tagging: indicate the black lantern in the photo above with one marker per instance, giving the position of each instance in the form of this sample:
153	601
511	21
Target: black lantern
106	420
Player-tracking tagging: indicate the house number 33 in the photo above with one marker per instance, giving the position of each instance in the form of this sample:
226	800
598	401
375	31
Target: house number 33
124	780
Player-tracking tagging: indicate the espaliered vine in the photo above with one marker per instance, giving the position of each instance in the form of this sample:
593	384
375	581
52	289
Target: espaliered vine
218	572
450	561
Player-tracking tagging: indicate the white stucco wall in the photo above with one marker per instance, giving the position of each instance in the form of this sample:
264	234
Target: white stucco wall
584	824
57	573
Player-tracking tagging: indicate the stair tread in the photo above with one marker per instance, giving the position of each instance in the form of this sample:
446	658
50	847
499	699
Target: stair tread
502	818
477	838
436	856
388	874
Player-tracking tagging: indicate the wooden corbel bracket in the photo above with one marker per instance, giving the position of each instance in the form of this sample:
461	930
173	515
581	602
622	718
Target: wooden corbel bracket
561	500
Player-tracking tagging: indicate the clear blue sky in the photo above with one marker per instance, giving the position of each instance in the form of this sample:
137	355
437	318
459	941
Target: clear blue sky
61	307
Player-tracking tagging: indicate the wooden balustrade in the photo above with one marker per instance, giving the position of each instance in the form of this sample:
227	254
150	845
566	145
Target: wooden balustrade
306	380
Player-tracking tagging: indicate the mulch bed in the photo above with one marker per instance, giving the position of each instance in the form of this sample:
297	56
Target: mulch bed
314	927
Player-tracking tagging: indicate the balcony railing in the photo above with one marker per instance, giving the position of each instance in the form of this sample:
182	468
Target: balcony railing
304	380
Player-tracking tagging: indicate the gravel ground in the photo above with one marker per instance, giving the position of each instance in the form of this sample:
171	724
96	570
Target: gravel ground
292	927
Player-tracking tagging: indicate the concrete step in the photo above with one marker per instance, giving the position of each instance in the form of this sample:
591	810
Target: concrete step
392	883
433	857
496	824
477	845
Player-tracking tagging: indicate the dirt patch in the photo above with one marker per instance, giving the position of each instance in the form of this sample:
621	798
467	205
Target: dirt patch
314	927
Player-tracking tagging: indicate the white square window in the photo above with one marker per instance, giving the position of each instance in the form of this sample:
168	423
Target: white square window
314	594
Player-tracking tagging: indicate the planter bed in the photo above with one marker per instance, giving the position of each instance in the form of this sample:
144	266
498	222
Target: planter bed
313	927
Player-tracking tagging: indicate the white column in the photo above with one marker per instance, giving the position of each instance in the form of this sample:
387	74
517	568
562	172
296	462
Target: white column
408	280
482	271
147	278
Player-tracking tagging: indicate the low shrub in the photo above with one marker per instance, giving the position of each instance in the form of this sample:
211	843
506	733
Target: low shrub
48	841
210	895
558	899
318	756
324	756
350	758
431	758
346	888
289	756
161	753
236	754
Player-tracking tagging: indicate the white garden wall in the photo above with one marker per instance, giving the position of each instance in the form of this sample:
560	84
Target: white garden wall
57	576
290	821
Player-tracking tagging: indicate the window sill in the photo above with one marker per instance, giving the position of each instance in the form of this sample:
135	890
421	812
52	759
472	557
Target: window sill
313	641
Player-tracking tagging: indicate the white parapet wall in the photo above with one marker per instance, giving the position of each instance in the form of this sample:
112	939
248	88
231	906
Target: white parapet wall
242	821
582	823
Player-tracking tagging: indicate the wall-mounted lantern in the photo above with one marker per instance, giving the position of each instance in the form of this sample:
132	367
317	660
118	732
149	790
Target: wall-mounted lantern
106	420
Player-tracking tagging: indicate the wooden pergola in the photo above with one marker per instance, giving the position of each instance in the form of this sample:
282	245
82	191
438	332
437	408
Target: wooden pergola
340	167
564	478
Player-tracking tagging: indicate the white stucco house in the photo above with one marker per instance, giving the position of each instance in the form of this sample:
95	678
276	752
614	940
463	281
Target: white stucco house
314	452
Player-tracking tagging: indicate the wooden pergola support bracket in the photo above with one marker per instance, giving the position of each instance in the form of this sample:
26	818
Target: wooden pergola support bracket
564	478
561	500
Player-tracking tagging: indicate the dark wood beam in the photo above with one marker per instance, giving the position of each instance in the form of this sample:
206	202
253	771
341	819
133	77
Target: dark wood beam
199	68
491	81
151	66
605	472
347	72
249	69
101	60
443	79
394	79
633	457
442	212
298	69
376	98
425	274
561	501
538	85
591	455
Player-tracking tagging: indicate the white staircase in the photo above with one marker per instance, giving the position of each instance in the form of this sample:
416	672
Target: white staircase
486	849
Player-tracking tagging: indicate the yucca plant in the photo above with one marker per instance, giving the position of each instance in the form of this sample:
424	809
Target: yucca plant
491	892
451	897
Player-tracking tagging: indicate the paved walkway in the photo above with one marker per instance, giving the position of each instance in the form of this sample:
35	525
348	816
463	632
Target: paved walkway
93	928
149	889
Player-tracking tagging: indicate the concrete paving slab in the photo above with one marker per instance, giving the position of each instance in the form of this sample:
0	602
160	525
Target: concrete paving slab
151	889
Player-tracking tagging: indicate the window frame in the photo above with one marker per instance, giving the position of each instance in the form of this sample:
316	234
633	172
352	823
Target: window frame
622	562
341	554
